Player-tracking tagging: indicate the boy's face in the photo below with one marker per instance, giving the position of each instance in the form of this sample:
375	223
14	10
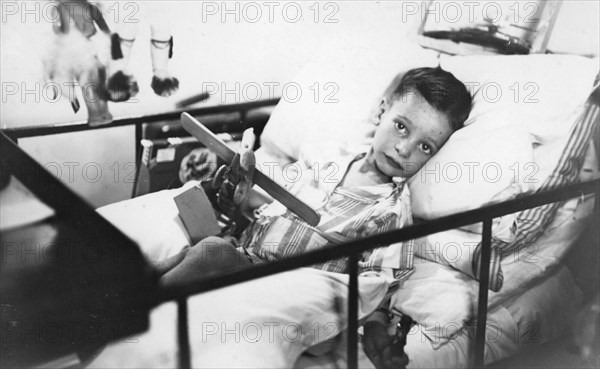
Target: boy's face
409	132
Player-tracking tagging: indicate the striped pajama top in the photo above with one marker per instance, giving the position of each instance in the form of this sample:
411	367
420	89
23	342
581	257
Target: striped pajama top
347	213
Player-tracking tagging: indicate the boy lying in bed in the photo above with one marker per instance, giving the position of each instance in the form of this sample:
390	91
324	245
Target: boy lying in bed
367	196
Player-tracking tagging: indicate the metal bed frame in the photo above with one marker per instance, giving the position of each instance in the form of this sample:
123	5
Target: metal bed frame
352	249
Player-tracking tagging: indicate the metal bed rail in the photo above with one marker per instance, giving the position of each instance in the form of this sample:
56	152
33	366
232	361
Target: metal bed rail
138	120
354	248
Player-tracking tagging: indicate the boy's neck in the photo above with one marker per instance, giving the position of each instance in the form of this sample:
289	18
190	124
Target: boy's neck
364	172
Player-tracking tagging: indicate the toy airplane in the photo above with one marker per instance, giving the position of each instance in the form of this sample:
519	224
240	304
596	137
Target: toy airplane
208	139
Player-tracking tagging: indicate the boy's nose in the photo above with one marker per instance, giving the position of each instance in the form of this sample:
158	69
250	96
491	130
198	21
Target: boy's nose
403	149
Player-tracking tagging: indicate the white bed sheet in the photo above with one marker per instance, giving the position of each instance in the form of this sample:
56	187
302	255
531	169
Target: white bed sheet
265	323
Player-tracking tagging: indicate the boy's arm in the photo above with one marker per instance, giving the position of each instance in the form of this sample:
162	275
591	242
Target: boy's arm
255	199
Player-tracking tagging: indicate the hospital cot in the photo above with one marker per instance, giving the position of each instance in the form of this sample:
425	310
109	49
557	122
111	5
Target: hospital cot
546	287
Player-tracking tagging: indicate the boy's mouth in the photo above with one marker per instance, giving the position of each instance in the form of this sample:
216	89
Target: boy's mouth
394	163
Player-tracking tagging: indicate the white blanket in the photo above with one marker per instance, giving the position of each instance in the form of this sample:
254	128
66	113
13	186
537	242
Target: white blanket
265	323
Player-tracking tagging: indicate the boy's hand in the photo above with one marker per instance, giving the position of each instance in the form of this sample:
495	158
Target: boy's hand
375	341
235	181
377	344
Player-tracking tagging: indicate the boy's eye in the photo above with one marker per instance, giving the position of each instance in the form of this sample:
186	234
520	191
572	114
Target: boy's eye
426	148
400	126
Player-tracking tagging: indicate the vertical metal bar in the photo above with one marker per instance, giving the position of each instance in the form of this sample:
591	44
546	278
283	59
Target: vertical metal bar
353	313
597	203
243	117
138	140
183	335
484	267
138	155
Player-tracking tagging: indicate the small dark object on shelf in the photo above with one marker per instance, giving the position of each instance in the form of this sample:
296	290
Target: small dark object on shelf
487	38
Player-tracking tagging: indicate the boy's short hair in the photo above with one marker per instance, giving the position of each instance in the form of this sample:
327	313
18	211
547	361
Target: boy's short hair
441	90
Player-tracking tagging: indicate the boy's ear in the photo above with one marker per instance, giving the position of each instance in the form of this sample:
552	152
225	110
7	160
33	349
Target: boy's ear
381	109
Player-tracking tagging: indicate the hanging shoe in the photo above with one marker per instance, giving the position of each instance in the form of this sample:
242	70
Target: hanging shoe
121	86
162	83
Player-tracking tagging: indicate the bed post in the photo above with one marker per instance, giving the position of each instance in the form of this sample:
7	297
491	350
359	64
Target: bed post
597	203
353	313
486	241
183	338
138	155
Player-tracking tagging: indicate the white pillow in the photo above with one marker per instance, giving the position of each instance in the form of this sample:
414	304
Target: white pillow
540	93
442	299
548	90
351	82
479	164
456	247
516	98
